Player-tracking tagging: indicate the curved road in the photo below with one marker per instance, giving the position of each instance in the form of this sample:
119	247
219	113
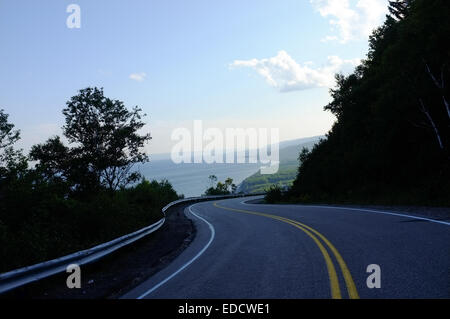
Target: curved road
244	250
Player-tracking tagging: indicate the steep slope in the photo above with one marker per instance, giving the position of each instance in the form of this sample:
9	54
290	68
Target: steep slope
289	152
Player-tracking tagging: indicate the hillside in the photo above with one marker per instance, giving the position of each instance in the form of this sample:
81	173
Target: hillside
390	143
289	152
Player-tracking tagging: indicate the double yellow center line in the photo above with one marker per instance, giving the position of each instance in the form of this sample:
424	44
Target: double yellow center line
315	235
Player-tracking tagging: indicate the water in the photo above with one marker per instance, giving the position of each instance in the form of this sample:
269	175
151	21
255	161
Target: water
192	179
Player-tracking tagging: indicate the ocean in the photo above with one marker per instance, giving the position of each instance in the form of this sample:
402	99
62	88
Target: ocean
192	179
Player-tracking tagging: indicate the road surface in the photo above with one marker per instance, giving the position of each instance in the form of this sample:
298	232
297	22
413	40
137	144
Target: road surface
254	251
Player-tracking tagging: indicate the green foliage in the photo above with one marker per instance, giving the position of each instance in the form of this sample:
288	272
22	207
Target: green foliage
286	174
7	136
105	136
274	194
390	142
258	183
399	8
105	148
38	223
226	188
212	180
75	197
12	162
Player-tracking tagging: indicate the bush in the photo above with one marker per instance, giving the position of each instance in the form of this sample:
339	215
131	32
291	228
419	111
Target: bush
38	225
75	197
274	194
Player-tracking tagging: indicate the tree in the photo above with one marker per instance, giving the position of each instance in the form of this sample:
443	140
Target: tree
304	153
230	186
212	180
53	159
224	188
342	94
273	194
228	183
106	139
221	188
7	135
399	8
390	142
11	160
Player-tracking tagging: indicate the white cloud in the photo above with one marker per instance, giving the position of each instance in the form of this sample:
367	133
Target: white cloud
285	74
351	19
138	76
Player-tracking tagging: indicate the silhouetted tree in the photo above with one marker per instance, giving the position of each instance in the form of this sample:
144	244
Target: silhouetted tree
11	160
399	8
105	139
53	159
391	138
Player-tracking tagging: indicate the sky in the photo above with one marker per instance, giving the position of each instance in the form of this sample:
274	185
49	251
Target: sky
231	64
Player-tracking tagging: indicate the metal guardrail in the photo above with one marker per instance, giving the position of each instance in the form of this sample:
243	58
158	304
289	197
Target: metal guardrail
22	276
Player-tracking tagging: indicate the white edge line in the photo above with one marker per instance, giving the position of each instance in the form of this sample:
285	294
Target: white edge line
363	210
213	233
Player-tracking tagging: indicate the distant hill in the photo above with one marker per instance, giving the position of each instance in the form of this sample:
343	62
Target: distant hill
299	141
289	151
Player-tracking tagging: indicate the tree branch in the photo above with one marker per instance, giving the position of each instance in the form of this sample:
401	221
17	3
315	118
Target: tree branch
436	82
427	114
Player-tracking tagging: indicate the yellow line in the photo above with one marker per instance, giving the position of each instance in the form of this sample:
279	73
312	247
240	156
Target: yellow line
351	287
334	282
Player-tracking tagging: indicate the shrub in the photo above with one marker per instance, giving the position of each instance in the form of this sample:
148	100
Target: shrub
37	225
274	194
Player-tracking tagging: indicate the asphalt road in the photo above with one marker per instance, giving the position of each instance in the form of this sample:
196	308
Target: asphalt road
255	251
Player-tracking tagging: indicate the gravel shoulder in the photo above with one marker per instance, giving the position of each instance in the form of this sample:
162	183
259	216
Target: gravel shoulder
123	270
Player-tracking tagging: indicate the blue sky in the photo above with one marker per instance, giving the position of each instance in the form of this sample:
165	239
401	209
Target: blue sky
229	63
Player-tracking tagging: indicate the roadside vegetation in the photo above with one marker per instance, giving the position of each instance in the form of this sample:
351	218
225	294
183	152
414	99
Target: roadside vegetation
258	183
274	194
219	188
67	196
284	178
390	142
